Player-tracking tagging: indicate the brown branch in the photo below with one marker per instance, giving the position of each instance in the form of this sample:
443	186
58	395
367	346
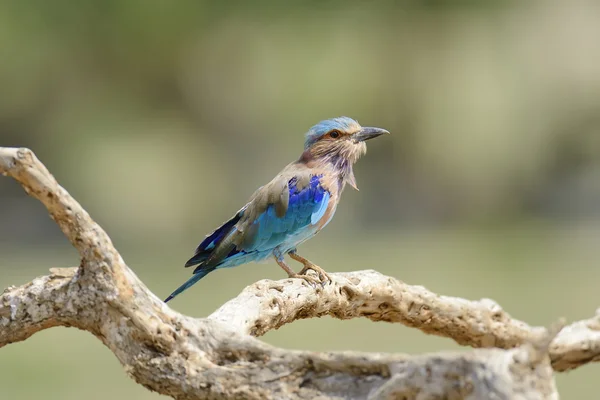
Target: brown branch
19	319
214	357
268	305
577	344
199	359
85	235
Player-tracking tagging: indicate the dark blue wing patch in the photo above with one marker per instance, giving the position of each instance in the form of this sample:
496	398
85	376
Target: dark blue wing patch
205	248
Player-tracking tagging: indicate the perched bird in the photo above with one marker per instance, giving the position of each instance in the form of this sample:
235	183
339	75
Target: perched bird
290	209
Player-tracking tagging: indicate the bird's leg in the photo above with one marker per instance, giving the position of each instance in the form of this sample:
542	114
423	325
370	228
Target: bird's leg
281	262
323	276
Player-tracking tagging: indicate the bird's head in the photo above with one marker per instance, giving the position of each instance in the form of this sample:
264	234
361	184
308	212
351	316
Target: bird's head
341	140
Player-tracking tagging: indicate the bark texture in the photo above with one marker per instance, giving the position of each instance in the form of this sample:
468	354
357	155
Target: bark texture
219	357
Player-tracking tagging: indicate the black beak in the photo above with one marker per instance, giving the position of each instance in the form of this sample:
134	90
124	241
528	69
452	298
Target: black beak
367	133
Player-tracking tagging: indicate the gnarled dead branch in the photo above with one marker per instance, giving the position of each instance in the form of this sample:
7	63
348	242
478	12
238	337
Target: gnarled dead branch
218	357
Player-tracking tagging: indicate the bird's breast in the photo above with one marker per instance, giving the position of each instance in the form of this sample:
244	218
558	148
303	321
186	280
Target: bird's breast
329	212
330	181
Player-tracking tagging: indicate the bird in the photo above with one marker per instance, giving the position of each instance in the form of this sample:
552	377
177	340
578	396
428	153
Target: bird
298	203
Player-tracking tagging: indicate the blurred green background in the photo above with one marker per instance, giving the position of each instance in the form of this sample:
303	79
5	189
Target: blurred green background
162	118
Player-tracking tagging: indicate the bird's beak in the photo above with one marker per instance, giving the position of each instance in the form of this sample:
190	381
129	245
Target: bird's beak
367	133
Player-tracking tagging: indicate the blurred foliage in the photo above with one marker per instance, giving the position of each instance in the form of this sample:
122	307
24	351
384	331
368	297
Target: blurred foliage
162	118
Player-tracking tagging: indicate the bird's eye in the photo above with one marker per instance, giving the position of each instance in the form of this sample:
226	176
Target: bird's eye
334	134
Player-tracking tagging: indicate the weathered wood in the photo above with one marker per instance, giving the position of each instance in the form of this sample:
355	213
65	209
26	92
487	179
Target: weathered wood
218	357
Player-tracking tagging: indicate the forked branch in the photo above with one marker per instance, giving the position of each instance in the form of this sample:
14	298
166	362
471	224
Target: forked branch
217	357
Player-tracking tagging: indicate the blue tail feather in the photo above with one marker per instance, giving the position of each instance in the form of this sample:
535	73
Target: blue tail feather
195	278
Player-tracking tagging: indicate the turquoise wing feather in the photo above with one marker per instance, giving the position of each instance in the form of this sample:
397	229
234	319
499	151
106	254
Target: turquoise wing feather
306	206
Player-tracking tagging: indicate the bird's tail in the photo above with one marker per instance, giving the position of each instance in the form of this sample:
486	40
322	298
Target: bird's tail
195	278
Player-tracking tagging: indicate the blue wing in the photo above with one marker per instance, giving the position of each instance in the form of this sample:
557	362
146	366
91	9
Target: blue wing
306	207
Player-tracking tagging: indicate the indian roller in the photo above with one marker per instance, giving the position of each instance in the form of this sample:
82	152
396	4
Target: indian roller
290	209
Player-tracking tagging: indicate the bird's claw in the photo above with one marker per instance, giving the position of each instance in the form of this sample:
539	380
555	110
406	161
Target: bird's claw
323	276
310	279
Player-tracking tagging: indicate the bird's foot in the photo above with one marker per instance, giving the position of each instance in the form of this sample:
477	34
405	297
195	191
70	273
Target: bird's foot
323	276
310	279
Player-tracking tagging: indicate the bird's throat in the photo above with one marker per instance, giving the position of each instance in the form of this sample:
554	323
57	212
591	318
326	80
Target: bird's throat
341	165
344	168
350	179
